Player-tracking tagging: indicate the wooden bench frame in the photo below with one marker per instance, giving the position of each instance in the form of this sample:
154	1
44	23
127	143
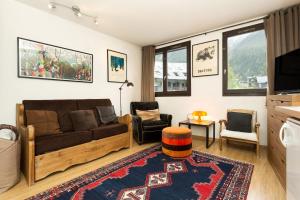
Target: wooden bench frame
38	167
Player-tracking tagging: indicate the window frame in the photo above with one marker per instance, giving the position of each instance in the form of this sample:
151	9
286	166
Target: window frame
164	51
238	92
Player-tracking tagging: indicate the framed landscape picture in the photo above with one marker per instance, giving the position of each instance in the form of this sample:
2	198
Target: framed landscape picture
206	59
45	61
116	66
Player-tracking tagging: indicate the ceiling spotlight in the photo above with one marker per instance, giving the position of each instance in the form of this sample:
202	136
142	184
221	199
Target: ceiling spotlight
51	5
96	21
76	11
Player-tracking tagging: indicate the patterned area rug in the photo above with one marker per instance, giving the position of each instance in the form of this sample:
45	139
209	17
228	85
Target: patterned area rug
150	174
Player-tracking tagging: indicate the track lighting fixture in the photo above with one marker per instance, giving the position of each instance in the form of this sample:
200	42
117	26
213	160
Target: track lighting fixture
51	5
76	10
96	21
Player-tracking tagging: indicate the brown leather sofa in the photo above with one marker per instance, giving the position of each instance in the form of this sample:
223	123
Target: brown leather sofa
46	154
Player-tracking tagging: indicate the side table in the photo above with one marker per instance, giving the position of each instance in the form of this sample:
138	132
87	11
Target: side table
206	124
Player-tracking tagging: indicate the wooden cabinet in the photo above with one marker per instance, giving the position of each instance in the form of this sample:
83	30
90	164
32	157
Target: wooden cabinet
276	151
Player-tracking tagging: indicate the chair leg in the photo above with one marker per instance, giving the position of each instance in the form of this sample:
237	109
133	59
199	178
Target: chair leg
257	149
220	143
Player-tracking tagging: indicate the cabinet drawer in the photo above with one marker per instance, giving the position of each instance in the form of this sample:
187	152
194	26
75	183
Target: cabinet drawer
275	143
273	103
278	162
273	114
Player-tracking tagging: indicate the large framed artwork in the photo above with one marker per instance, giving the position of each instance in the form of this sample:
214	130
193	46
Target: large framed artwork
206	59
116	66
44	61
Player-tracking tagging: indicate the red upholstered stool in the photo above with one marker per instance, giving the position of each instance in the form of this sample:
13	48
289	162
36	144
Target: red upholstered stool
177	142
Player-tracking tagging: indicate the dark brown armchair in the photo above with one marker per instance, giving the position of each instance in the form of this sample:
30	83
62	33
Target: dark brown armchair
148	131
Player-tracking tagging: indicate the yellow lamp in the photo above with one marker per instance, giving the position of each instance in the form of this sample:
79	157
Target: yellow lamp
199	115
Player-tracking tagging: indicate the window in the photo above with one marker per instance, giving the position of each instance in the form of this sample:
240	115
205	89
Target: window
172	75
245	62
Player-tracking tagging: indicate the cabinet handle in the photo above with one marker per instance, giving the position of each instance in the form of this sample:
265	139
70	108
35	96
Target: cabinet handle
282	161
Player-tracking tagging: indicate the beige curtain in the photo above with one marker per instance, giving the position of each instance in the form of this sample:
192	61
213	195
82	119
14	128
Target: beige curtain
283	34
148	60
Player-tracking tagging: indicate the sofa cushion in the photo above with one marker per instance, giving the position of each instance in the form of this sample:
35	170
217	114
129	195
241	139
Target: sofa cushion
241	122
60	106
142	106
239	135
65	121
45	122
91	104
83	120
154	125
109	130
107	114
149	115
48	143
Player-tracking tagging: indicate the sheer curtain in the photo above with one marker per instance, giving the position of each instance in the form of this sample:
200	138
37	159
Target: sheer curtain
148	61
282	30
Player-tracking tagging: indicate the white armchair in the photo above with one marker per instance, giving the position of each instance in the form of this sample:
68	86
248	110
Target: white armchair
246	137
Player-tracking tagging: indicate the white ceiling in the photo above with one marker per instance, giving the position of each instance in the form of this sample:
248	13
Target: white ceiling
145	22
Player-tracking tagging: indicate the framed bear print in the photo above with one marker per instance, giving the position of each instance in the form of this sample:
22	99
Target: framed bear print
205	59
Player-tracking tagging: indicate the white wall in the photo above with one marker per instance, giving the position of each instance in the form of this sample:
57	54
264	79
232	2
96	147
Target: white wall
19	20
207	96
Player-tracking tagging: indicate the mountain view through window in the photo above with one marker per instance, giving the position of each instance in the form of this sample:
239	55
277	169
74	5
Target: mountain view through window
247	61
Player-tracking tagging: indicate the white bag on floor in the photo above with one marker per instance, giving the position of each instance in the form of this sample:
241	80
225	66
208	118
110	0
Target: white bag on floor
7	134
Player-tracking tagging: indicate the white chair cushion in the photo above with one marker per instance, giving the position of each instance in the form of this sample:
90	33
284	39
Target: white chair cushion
239	135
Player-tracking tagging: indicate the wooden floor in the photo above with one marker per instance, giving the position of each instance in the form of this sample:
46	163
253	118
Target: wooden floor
264	183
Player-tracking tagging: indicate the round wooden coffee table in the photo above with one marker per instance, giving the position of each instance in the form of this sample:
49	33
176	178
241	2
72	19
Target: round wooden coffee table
177	142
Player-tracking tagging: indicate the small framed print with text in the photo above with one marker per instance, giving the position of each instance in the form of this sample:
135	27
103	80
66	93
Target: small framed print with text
205	59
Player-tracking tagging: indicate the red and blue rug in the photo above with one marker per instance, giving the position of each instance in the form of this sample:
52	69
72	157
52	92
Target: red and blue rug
150	174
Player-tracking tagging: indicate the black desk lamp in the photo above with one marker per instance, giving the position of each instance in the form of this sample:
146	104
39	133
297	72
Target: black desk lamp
129	84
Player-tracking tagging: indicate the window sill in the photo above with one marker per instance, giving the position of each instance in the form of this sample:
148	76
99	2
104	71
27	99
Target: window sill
262	92
173	94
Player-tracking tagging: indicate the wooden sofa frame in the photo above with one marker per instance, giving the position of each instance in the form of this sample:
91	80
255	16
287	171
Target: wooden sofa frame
38	167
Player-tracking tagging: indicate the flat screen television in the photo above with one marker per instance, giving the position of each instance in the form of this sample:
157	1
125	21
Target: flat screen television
287	73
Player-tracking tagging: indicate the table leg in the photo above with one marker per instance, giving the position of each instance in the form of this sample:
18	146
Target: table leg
207	136
214	132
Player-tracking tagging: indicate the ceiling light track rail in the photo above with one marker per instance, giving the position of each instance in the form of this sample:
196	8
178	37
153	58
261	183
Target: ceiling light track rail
75	9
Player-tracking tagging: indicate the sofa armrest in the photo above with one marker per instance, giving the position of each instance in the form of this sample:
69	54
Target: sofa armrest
27	145
166	118
137	128
127	119
28	153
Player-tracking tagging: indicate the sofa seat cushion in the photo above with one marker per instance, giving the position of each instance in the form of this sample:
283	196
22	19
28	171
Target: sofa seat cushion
239	135
109	130
154	125
48	143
